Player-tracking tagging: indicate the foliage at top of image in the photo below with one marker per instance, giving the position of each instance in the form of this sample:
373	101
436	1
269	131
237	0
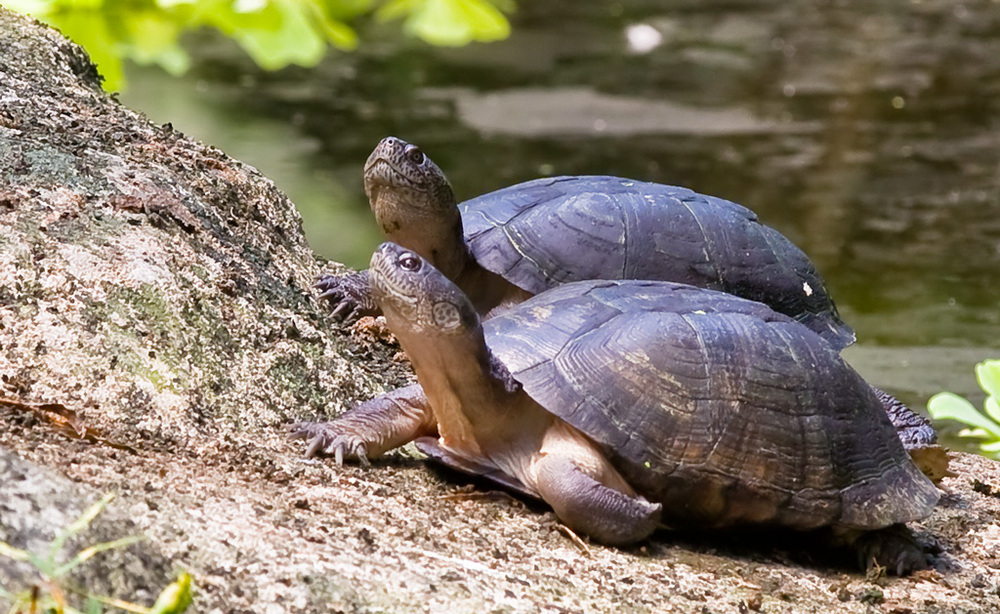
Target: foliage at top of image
50	591
983	426
275	33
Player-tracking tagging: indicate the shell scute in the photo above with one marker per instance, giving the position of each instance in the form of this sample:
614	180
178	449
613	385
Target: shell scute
715	406
550	231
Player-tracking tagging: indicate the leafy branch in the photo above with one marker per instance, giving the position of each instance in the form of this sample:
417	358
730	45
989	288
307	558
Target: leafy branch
983	426
275	33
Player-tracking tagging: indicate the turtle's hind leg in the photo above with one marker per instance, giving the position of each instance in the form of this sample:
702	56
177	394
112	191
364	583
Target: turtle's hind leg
894	548
588	506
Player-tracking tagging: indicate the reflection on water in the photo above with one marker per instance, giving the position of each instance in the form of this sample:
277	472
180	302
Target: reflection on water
869	133
571	111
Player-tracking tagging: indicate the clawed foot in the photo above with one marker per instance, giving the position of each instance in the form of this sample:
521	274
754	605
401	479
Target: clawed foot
372	428
893	548
325	438
349	296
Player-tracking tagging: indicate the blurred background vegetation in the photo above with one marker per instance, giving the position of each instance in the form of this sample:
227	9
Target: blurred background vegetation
275	33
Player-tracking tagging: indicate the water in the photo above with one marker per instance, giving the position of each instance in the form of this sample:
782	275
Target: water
868	133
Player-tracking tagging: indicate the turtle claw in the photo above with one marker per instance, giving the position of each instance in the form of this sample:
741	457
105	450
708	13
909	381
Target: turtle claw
325	438
326	283
349	296
893	548
331	294
345	311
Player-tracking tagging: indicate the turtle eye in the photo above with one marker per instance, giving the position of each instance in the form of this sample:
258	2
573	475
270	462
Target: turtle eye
413	154
409	262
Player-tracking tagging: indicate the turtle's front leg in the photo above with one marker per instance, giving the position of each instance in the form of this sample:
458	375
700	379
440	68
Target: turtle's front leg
372	428
350	296
588	506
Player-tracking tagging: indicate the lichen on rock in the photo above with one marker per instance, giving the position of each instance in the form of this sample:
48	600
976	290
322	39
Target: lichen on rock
147	279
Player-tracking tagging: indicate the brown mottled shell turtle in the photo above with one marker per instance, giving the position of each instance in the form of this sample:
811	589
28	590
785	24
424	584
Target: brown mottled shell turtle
624	404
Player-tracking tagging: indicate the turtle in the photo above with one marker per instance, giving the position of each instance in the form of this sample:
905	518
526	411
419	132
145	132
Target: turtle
628	404
505	246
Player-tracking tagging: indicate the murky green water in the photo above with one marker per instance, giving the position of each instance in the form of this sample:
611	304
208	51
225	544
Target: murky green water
868	133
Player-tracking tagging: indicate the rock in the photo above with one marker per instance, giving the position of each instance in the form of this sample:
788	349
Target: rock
36	504
157	330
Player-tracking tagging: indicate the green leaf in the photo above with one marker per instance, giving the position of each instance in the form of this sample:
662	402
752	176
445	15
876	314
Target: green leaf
395	9
992	407
87	553
946	405
949	406
976	433
988	374
83	5
175	598
172	4
488	23
337	32
278	35
275	33
342	10
13	553
35	8
457	22
152	38
340	34
90	30
991	450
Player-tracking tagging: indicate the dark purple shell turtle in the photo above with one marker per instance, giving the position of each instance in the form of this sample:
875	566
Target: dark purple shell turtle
546	232
719	408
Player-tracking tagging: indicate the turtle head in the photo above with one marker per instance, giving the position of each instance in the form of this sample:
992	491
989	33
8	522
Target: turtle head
416	297
403	184
414	205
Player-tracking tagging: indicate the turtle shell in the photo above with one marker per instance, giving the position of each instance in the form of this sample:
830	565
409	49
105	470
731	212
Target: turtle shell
718	407
547	232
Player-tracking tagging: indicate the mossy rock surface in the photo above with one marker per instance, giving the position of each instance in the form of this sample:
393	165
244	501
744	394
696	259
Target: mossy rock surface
155	299
148	280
